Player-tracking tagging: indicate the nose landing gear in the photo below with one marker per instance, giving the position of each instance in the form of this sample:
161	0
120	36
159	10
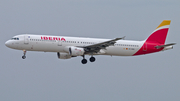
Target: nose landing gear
24	56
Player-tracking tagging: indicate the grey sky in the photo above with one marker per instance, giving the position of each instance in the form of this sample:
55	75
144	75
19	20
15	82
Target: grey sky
43	77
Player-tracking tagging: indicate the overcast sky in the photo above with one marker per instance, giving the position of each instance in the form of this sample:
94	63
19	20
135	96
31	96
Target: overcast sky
44	77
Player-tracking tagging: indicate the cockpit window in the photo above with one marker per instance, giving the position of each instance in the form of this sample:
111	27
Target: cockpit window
14	38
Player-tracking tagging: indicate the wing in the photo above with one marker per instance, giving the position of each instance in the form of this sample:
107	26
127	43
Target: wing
95	48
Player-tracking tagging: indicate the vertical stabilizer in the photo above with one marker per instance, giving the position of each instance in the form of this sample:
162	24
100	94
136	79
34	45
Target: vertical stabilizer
157	38
160	33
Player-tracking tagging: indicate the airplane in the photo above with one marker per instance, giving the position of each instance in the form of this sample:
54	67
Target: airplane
68	47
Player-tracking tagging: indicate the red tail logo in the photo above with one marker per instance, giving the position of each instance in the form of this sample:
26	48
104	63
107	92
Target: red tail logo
158	37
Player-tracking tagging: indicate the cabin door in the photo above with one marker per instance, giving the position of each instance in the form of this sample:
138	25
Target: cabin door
26	39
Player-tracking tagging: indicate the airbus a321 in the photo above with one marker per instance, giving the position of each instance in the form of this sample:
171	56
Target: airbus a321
68	47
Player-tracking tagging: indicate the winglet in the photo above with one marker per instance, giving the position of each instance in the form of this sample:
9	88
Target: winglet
119	38
123	37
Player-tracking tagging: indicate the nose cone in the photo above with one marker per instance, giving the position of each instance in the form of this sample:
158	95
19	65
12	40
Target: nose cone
7	43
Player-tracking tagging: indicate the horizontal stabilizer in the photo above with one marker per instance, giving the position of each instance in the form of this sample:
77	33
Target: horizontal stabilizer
158	47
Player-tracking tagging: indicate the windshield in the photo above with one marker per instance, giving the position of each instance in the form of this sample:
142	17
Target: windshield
14	38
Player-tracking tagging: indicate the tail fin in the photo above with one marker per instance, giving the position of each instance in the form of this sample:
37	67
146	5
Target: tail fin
160	33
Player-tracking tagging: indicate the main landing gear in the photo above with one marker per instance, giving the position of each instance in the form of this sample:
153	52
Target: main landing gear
24	56
84	61
92	59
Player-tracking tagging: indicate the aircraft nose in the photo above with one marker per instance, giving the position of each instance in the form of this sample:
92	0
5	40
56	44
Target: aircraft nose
7	43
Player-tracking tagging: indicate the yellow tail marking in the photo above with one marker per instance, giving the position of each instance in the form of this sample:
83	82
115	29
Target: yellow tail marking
164	23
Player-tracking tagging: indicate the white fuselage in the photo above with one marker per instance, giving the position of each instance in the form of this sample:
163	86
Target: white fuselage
59	43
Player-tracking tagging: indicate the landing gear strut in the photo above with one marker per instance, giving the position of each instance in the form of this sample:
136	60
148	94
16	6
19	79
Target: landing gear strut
24	56
84	61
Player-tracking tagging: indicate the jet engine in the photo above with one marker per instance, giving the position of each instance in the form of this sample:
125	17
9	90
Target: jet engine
76	51
63	55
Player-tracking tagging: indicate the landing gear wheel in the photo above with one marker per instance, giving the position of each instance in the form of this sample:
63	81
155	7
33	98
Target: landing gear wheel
84	61
92	59
23	57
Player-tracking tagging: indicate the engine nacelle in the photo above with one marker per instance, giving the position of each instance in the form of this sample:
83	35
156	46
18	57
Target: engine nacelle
76	51
63	55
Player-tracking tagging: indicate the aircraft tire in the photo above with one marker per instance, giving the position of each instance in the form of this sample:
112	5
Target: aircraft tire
92	59
84	61
23	57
